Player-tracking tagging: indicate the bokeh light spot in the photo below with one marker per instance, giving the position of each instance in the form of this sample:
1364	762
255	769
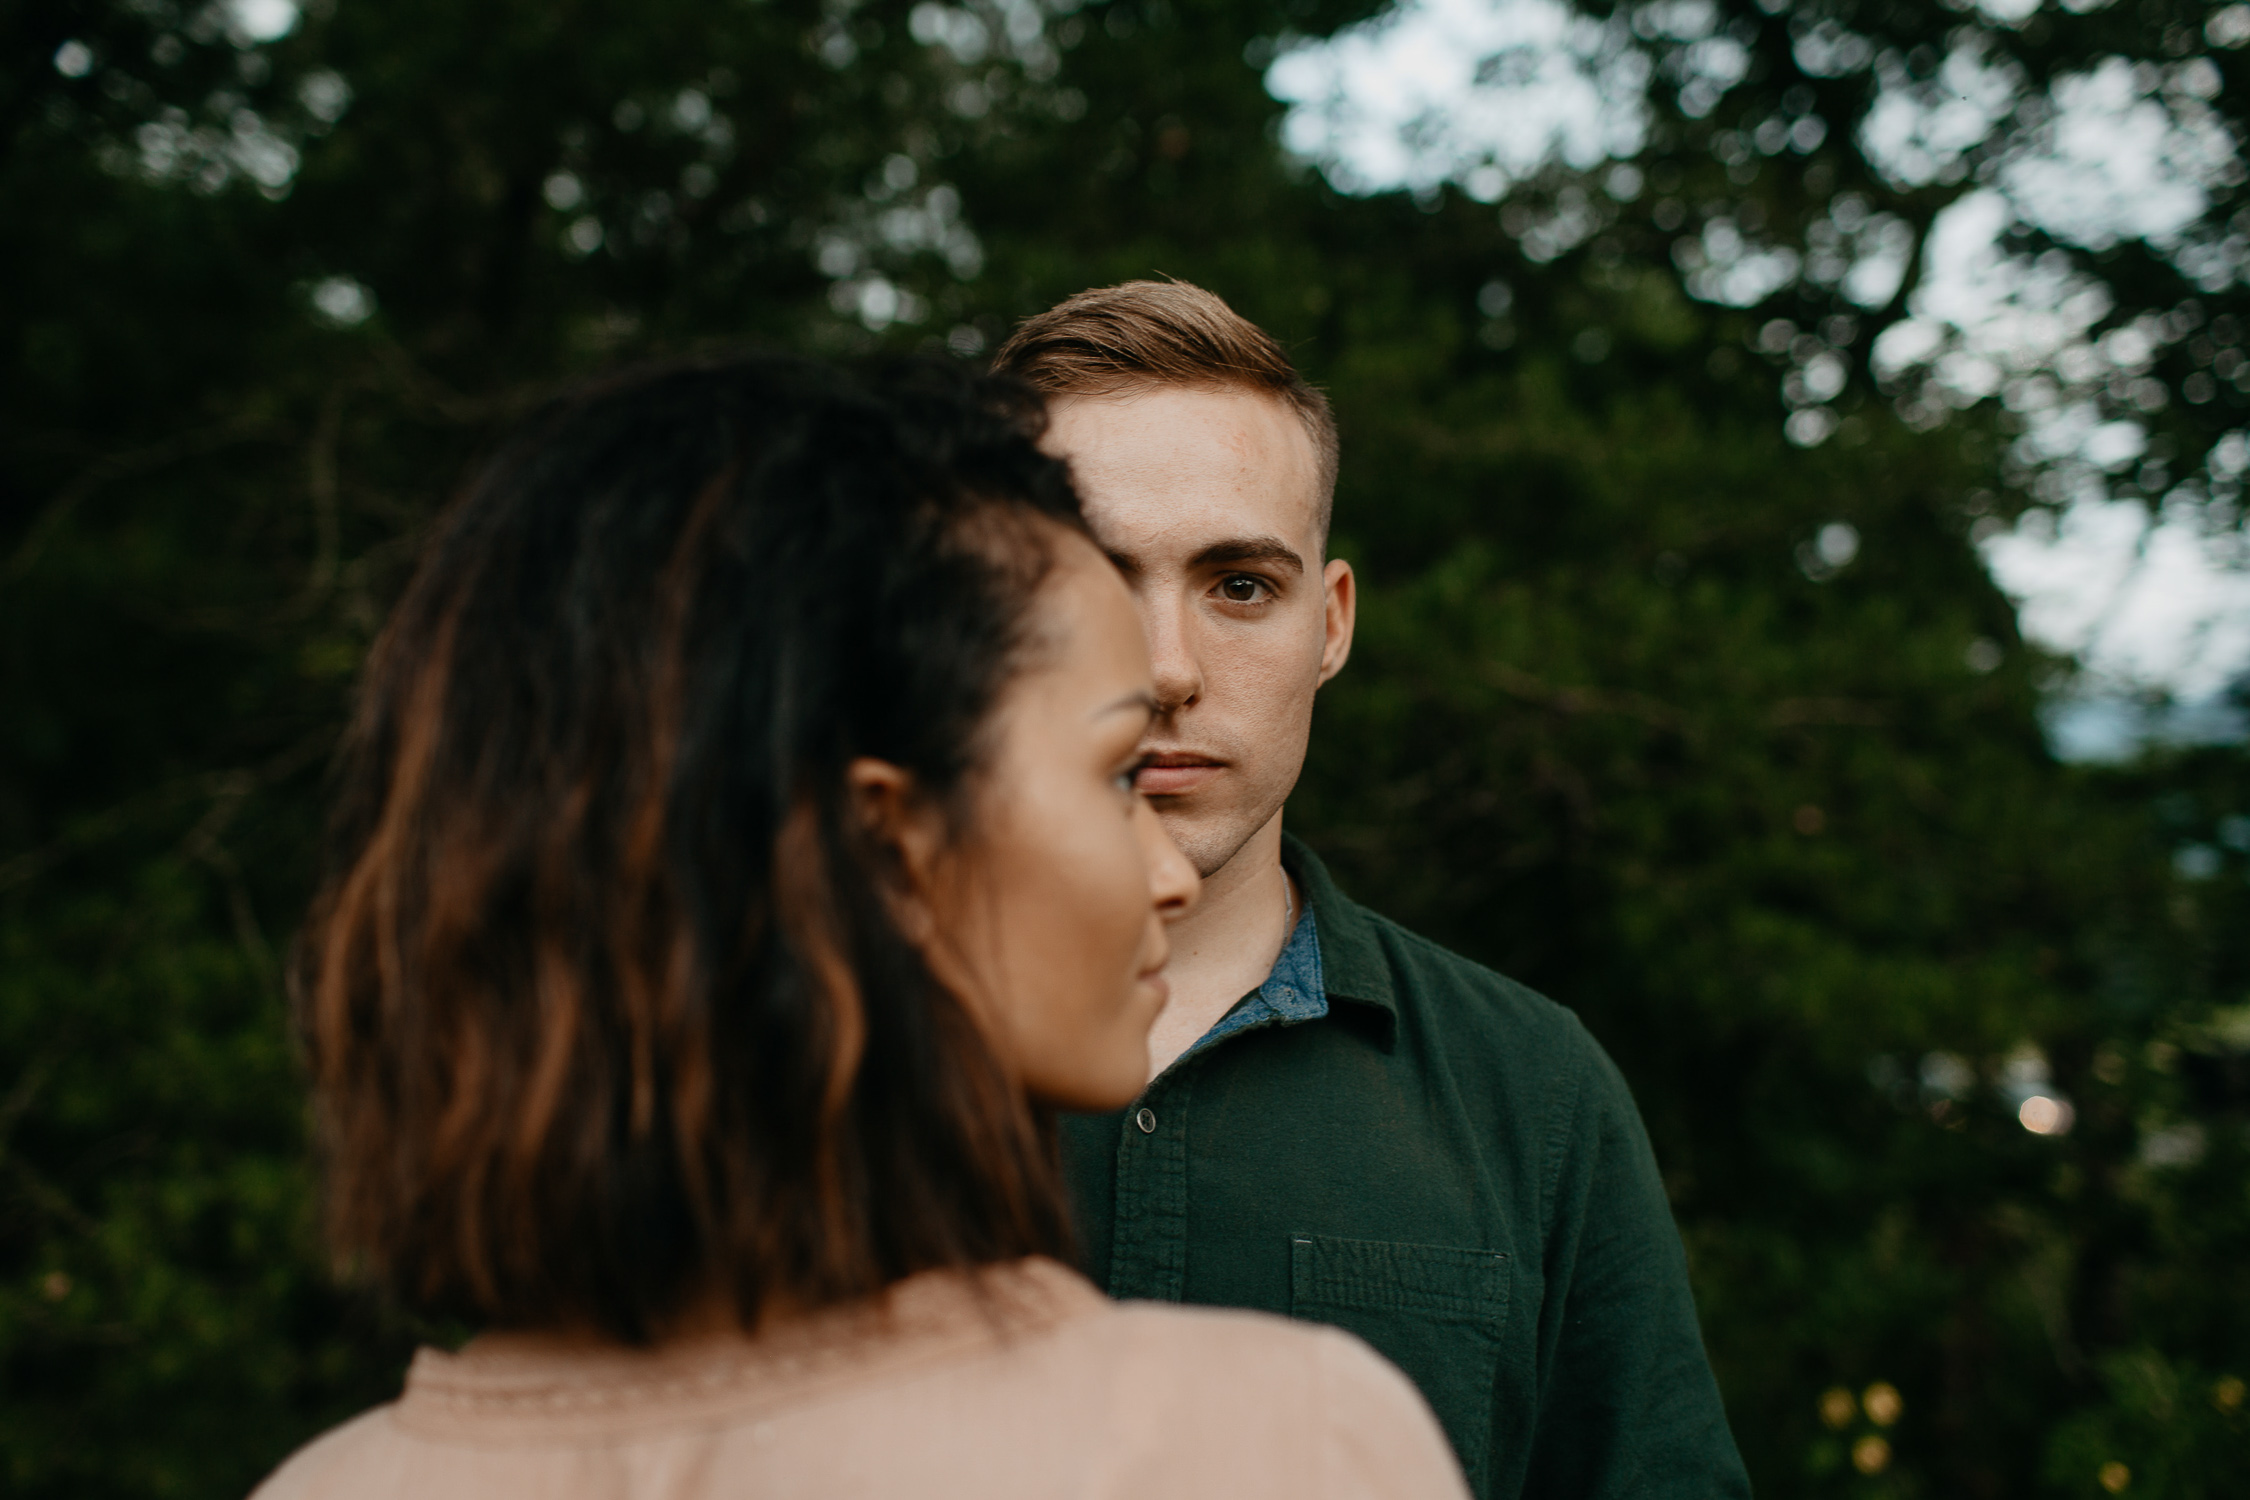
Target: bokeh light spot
261	20
1871	1455
1837	1408
342	302
1883	1403
2114	1477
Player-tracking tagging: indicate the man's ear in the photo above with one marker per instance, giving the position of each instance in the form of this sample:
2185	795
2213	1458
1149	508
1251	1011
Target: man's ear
889	805
1340	591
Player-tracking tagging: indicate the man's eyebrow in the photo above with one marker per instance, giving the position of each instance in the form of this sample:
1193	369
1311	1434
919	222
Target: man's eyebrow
1123	562
1271	550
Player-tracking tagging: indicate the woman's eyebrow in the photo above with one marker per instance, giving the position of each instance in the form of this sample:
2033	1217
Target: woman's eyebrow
1142	699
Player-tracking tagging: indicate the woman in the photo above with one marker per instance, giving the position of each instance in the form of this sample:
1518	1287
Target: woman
738	858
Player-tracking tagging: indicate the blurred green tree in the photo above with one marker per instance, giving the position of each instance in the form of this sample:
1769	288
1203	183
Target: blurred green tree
1726	741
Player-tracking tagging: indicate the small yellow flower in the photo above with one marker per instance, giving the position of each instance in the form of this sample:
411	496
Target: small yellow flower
1882	1402
1871	1455
2114	1477
1837	1408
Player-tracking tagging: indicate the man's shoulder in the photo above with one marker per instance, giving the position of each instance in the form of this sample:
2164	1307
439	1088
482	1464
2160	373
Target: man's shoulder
1425	963
1437	987
1474	1016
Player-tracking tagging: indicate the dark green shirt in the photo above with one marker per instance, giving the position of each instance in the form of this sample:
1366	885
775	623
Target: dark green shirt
1447	1165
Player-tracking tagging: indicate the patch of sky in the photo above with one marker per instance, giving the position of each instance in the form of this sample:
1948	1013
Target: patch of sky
1466	91
1483	93
2094	726
250	22
2157	617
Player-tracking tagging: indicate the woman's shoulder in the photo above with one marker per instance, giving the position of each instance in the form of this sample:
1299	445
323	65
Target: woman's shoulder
1234	1336
1029	1362
1226	1344
1266	1404
356	1458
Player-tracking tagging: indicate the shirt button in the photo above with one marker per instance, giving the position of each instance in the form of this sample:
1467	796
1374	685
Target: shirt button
1146	1119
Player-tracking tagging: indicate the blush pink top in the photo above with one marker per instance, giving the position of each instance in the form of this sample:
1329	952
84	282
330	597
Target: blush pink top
1024	1381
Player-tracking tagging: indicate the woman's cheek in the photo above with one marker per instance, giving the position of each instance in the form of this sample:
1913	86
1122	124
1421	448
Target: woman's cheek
1129	901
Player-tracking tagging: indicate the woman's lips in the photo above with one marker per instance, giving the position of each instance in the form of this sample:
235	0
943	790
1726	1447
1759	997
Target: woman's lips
1159	987
1175	775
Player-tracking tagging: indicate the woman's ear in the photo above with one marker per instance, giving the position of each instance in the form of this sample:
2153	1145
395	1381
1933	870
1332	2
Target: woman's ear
890	807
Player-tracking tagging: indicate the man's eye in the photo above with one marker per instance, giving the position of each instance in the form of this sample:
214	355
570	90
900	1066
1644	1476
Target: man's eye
1242	589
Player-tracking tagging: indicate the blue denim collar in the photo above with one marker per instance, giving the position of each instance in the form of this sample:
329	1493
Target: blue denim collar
1293	992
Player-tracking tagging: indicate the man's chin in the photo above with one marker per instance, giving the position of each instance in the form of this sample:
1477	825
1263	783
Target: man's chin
1210	838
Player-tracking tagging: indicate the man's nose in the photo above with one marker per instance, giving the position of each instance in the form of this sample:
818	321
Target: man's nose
1173	659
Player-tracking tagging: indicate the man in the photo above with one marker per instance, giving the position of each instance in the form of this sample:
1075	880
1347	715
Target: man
1344	1122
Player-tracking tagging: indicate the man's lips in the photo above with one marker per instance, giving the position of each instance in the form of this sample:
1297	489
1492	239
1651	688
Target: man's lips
1176	773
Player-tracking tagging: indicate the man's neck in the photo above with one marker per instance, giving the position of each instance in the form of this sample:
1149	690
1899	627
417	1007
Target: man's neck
1226	946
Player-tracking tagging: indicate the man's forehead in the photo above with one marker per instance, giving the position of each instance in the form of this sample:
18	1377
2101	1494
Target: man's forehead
1183	469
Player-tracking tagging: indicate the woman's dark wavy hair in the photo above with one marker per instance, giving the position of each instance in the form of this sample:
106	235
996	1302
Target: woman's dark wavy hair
604	1007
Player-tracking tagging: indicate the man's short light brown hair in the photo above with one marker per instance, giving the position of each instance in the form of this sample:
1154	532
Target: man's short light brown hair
1115	340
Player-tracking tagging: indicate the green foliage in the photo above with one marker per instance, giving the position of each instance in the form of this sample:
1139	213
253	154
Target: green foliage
164	1325
2168	1429
1625	719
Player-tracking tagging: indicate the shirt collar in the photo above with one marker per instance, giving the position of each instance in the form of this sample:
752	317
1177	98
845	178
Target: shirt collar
1350	949
1292	991
1333	953
1295	989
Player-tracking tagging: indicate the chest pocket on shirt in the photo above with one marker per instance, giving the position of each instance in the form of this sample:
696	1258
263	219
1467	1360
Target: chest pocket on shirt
1434	1311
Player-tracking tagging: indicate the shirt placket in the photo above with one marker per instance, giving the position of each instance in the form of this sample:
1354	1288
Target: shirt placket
1148	1255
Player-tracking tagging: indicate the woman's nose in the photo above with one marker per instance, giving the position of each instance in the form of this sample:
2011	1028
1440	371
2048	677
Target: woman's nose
1173	884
